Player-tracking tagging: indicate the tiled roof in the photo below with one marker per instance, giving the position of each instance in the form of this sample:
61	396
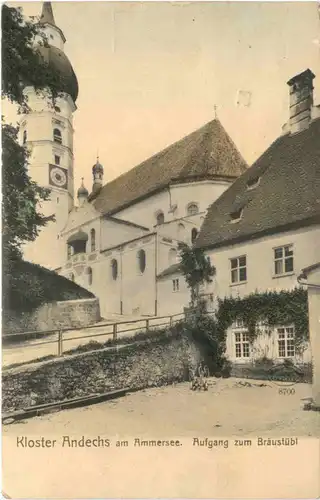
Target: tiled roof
284	193
206	153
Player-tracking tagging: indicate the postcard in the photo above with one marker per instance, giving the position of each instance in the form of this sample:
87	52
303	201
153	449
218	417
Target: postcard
161	233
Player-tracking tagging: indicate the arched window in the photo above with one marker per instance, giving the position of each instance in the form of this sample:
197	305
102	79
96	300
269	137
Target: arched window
93	240
114	269
173	254
57	137
25	135
160	218
71	277
90	277
181	232
194	234
141	260
192	209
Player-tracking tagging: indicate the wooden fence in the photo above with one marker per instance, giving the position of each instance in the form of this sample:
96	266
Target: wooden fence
62	336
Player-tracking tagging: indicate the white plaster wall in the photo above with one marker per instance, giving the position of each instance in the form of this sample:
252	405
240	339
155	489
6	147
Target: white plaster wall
170	301
260	262
265	345
136	290
204	193
113	234
314	326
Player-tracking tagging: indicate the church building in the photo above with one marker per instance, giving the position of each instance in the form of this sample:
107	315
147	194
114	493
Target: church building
118	238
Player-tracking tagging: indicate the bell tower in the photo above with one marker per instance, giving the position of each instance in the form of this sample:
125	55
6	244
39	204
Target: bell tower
47	132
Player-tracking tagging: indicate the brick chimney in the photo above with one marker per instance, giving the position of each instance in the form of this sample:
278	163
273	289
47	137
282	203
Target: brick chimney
301	101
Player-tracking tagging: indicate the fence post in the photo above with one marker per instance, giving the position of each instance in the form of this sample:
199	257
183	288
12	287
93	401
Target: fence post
60	343
147	325
115	332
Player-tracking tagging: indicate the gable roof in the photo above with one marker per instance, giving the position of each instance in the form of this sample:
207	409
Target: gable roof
207	153
285	193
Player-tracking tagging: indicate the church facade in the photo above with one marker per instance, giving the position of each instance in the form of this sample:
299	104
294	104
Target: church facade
119	238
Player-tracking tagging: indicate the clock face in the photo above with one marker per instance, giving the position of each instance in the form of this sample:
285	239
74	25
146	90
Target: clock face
58	177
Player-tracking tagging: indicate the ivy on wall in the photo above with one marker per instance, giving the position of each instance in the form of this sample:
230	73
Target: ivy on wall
270	308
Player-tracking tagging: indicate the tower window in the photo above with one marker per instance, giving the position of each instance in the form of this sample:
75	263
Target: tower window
56	108
142	260
173	256
24	140
93	240
58	200
192	209
57	137
57	160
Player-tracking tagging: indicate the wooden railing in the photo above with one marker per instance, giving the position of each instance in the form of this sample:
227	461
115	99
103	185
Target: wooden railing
19	340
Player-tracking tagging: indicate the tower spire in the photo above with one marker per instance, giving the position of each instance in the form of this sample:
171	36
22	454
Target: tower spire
47	14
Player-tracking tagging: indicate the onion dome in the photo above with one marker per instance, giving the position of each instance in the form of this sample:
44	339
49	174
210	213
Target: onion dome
56	58
97	168
58	61
82	191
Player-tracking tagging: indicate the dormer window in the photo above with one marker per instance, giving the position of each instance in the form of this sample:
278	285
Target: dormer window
253	182
57	137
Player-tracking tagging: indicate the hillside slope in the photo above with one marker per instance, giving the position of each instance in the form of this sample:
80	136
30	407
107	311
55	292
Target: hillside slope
26	286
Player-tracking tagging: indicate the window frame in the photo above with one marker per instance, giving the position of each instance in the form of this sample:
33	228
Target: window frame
141	267
90	276
57	137
242	346
286	343
194	234
282	260
160	214
93	245
114	269
175	285
57	157
192	204
238	270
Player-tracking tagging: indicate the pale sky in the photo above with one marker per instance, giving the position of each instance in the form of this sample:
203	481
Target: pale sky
150	73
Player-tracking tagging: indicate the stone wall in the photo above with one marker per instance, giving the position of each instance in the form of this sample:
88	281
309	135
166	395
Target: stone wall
63	314
147	364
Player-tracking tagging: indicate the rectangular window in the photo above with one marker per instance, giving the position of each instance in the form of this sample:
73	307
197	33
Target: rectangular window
286	348
238	269
242	344
175	285
283	260
57	160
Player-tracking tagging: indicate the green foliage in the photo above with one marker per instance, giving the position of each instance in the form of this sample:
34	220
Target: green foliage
28	286
22	63
20	219
272	308
196	269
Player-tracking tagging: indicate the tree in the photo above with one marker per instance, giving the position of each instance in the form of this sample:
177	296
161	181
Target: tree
197	270
20	219
22	65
